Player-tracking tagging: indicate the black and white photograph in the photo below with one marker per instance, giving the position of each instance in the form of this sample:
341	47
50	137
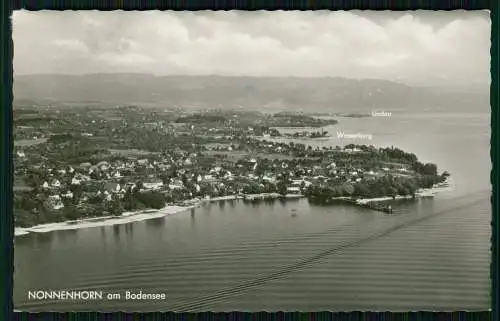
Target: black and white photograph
251	161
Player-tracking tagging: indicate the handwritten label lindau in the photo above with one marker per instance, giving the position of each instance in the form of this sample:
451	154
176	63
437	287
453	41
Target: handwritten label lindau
381	114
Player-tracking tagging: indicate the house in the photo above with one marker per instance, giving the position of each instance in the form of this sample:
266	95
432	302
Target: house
75	181
176	184
208	178
216	169
112	187
142	162
56	183
130	185
293	190
85	165
68	194
268	179
153	185
107	196
252	176
299	182
45	185
332	165
21	154
55	202
104	166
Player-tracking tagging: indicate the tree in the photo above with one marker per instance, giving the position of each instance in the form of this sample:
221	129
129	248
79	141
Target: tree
71	212
152	199
129	200
362	189
251	189
23	218
115	207
348	189
282	187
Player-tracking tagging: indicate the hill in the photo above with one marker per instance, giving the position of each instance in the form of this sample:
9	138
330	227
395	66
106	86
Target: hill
265	94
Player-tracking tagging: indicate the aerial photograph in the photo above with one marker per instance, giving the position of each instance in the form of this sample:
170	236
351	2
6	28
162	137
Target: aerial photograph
251	161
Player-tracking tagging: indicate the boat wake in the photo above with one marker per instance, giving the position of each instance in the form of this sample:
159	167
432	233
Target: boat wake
222	295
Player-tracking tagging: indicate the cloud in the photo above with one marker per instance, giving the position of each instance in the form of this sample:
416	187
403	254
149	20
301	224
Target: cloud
71	45
414	46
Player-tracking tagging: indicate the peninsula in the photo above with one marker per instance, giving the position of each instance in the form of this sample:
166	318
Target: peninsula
96	162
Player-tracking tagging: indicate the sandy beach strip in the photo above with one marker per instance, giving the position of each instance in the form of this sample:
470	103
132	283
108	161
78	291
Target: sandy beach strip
125	218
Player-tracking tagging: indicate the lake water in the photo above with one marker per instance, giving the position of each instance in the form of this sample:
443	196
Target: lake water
225	256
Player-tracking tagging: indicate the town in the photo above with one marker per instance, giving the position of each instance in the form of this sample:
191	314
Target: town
92	161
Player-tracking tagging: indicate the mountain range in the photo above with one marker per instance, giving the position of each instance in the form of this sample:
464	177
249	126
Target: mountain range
264	94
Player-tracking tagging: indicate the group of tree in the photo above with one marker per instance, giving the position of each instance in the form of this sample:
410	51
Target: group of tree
380	187
201	118
135	199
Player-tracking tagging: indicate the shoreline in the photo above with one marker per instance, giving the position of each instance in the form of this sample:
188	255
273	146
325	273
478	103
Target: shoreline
129	217
446	186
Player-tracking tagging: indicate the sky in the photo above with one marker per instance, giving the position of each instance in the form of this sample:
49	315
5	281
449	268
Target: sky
413	47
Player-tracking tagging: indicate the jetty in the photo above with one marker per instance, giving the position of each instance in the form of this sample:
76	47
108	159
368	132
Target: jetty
377	207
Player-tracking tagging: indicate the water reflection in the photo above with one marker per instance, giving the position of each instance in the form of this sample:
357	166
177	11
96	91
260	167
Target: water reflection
269	201
43	239
129	230
192	216
103	236
155	222
116	231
